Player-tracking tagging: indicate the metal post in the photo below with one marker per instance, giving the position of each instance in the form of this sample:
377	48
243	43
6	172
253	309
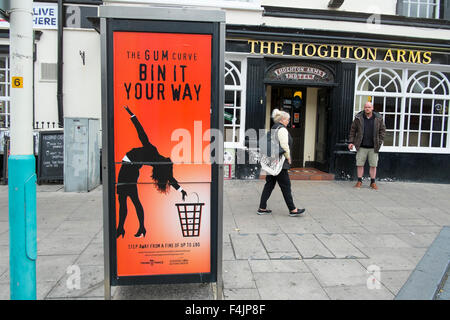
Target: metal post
219	284
21	170
105	150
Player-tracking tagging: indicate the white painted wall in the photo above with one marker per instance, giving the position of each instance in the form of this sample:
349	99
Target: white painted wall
45	102
249	12
237	11
310	125
236	4
379	6
82	83
387	7
353	27
248	17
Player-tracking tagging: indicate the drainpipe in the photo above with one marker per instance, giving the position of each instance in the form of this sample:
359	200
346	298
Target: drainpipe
59	94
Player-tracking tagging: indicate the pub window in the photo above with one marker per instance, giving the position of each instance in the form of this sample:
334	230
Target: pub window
234	107
384	89
419	8
4	92
414	105
427	110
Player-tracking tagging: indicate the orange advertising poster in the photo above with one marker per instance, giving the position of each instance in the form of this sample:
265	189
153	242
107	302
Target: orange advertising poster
162	103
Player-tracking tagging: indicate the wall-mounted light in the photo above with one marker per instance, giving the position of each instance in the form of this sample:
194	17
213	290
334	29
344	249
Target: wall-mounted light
83	56
334	4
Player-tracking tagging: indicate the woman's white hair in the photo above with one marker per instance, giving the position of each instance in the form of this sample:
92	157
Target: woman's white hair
278	115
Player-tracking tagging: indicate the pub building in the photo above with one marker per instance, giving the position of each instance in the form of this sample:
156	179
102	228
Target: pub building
334	74
320	62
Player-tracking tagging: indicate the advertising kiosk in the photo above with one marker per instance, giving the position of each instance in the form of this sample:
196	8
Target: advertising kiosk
162	98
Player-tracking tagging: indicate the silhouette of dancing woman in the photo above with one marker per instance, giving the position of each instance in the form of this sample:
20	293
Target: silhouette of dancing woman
132	162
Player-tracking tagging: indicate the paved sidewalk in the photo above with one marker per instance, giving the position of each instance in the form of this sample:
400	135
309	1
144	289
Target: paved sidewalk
324	255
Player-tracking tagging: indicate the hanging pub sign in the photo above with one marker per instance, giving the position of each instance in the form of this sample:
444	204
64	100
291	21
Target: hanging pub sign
299	72
162	102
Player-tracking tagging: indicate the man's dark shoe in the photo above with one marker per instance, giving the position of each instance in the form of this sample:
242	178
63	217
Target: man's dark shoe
263	212
358	184
298	213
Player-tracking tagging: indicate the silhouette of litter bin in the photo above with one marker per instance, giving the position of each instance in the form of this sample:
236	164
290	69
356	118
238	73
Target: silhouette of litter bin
190	215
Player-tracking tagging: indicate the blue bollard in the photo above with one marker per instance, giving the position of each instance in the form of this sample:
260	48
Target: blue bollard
22	226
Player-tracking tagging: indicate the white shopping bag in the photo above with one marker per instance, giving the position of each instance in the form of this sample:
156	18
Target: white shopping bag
271	165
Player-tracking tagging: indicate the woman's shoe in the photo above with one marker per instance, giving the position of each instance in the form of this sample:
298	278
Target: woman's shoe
120	232
141	233
298	213
263	212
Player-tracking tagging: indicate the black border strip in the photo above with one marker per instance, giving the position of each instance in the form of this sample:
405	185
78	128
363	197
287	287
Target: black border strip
211	28
359	17
298	83
334	37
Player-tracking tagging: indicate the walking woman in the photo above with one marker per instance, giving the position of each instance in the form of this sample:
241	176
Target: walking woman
128	176
281	119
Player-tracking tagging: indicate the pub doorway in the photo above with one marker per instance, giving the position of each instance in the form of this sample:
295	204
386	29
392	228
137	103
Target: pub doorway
309	108
304	90
292	100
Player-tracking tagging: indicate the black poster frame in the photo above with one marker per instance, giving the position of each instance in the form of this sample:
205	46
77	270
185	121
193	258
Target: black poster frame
161	26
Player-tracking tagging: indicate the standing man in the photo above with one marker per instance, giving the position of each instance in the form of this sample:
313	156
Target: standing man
367	136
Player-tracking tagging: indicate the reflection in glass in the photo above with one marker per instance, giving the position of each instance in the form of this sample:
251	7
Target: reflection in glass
425	139
228	134
436	140
389	139
426	123
437	123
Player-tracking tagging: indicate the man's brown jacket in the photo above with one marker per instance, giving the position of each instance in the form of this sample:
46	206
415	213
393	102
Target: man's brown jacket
357	131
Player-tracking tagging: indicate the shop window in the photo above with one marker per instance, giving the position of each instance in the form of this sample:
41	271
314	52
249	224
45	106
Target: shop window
234	108
413	103
419	8
4	92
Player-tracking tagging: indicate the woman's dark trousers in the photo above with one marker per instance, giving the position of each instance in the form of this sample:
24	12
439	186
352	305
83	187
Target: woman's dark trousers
285	184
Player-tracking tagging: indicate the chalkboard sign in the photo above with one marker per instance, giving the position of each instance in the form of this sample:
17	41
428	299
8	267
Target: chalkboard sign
51	156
